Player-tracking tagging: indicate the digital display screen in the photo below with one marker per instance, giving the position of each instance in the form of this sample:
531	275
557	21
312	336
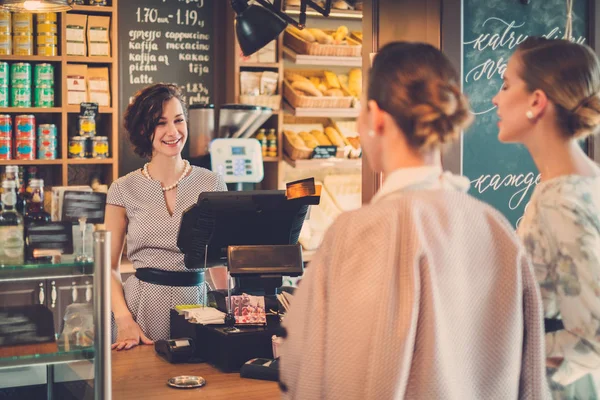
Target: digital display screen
238	151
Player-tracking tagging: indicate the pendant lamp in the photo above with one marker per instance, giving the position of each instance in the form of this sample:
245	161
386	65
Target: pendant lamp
36	6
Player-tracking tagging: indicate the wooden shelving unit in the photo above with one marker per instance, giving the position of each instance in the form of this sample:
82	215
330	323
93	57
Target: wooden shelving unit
324	162
321	112
304	59
62	115
341	14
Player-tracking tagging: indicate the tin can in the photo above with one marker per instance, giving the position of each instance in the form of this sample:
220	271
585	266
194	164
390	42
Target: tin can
25	126
43	75
77	147
79	2
5	148
87	125
20	74
5	125
46	130
47	50
4	74
44	39
97	2
5	22
5	44
24	148
47	27
22	22
43	97
100	147
47	143
23	45
46	17
4	100
20	96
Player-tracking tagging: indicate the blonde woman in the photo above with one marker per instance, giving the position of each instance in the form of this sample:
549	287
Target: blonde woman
426	293
550	99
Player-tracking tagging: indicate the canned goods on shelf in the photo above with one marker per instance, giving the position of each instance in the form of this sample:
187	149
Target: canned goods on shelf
100	147
23	45
45	39
97	2
5	125
79	2
77	146
45	129
47	27
4	74
47	50
4	100
20	96
25	126
46	147
22	22
5	148
25	149
5	44
87	125
20	74
43	96
43	75
5	22
46	17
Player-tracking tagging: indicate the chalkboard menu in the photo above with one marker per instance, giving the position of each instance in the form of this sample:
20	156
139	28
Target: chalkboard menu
169	41
503	174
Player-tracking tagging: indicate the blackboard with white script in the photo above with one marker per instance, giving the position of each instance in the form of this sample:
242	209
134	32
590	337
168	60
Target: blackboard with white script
168	41
504	175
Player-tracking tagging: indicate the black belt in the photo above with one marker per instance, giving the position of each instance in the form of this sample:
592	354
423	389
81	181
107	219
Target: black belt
553	325
170	278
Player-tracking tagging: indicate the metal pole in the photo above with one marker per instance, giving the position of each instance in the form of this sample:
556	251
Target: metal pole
102	331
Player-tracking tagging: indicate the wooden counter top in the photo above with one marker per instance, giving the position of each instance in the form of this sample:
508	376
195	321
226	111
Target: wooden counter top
141	374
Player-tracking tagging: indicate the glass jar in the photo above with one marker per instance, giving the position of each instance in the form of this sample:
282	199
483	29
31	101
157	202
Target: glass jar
87	125
100	147
77	147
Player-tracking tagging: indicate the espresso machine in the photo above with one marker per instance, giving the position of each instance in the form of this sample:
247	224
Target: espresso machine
229	150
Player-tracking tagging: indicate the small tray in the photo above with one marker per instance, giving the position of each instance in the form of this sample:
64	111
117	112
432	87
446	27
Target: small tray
186	382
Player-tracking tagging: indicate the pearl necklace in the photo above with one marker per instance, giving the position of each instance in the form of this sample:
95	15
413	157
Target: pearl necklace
186	170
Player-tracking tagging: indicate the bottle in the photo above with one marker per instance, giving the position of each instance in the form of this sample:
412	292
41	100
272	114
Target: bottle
11	227
14	173
35	206
262	138
272	143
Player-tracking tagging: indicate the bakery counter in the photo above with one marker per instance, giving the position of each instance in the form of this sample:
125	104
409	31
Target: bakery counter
140	373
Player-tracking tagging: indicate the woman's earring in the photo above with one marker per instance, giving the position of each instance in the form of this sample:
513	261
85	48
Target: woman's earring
371	133
529	114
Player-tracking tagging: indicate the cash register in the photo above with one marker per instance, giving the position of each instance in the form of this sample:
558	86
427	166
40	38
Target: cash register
255	234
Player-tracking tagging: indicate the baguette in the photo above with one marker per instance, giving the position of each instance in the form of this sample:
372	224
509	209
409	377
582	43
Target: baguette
321	36
303	33
334	137
294	77
321	138
306	88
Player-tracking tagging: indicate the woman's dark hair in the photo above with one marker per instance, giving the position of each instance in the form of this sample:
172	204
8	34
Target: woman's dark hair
143	114
416	84
569	74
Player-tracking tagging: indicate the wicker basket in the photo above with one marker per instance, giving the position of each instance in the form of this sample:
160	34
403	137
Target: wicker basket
298	100
273	102
293	152
301	46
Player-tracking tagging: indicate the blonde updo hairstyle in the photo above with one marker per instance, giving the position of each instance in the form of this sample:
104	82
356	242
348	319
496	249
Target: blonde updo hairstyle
416	84
569	74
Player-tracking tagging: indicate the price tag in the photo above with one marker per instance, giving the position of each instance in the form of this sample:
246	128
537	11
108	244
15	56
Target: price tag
88	109
49	236
324	152
89	205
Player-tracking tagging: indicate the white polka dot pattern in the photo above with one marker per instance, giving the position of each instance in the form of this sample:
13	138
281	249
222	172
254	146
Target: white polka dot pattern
152	243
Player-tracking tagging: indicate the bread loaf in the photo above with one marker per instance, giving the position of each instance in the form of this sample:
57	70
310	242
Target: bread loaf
334	137
303	33
334	93
321	36
321	138
293	77
309	140
306	88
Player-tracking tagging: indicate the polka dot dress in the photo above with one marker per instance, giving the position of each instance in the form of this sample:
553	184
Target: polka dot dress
152	243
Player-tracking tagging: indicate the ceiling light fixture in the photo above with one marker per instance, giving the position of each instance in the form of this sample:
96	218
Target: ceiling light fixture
35	6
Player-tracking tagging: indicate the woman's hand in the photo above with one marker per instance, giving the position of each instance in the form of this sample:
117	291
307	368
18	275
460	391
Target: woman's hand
129	334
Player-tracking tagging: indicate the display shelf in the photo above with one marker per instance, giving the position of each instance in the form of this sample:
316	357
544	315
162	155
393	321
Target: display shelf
342	14
31	110
37	271
89	161
75	109
89	60
259	65
321	112
324	162
30	162
305	59
30	58
59	357
94	9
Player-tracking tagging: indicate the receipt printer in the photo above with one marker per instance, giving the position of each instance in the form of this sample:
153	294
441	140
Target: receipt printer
176	350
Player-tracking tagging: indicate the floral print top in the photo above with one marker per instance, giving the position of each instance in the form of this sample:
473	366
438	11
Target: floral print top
561	232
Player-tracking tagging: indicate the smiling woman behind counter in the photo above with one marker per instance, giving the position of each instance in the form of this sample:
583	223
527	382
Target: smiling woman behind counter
146	206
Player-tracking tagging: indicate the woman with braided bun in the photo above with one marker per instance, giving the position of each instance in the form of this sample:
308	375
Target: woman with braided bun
426	293
549	101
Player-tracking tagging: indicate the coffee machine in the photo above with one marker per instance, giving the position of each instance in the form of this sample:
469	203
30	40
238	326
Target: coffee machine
229	150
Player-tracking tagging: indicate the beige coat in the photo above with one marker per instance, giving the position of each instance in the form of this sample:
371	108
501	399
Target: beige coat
426	294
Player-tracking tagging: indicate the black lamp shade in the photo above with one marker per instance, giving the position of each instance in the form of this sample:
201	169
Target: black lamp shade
256	27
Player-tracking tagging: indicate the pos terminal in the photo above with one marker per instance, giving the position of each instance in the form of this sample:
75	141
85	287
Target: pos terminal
255	234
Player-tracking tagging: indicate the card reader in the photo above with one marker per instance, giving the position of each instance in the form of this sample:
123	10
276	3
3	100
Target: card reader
176	350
